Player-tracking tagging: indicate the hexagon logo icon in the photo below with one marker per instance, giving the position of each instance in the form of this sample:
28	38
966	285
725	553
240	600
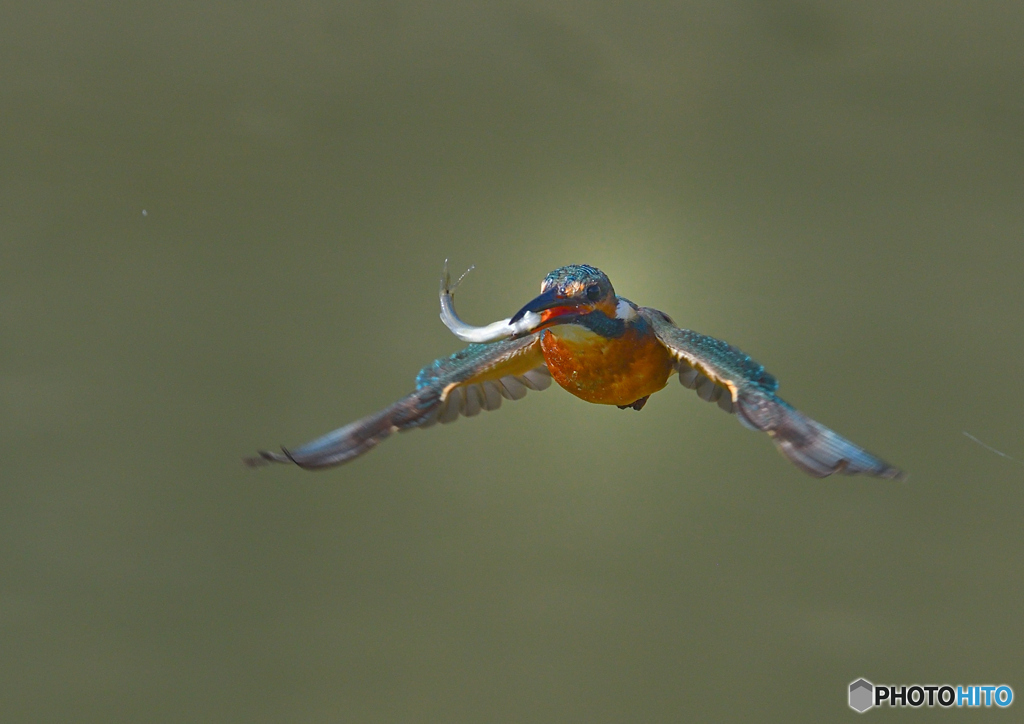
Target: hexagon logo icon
861	695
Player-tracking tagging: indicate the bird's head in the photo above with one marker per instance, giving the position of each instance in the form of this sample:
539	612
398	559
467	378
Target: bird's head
570	292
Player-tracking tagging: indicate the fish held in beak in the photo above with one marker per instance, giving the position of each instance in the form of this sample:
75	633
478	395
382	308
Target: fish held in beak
524	323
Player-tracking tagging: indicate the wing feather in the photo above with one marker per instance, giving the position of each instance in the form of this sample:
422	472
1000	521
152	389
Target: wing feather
471	380
722	373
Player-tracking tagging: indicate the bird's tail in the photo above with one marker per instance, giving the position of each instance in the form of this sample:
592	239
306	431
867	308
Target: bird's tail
357	437
811	446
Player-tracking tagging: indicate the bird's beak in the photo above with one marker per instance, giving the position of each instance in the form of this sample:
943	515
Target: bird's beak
550	306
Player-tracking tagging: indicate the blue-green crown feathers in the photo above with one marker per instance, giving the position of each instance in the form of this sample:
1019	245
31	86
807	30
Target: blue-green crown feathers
577	275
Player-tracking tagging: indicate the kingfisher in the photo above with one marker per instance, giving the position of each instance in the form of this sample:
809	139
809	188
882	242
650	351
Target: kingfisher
601	348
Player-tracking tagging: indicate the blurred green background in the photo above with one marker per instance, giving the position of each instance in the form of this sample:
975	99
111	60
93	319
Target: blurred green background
221	228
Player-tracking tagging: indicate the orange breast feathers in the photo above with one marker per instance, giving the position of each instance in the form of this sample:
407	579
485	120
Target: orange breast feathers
606	371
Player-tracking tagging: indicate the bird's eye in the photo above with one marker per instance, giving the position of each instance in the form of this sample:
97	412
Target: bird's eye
593	292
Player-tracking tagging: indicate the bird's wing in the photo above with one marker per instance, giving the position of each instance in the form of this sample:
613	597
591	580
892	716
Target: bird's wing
474	379
721	373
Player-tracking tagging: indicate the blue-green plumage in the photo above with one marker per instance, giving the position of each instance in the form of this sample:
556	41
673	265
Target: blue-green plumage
731	362
574	274
468	362
600	323
440	370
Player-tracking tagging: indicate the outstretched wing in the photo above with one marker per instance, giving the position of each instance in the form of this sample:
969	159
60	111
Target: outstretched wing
474	379
721	373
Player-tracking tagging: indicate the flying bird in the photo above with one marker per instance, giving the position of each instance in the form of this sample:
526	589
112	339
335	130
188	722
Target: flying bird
602	348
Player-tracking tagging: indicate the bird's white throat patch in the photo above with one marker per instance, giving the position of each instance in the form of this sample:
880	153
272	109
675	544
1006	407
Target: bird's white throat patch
624	310
575	333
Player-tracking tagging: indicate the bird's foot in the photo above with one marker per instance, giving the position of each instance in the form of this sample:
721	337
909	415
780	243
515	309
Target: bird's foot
638	405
